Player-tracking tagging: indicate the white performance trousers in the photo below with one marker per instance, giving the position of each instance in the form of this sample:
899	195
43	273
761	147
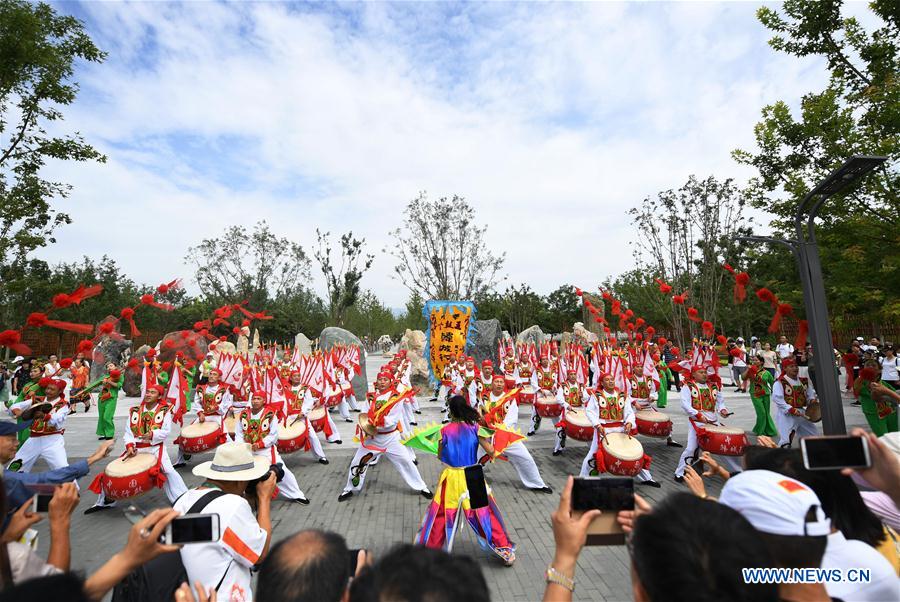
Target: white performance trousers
644	475
799	426
388	444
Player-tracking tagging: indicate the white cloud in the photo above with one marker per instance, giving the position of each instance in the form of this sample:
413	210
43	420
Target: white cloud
552	120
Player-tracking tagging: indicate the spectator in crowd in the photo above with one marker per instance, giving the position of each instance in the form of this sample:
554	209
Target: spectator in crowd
739	364
51	368
410	573
770	358
783	348
4	384
310	566
790	520
21	375
755	347
884	452
18	562
890	367
80	372
685	549
16	484
224	565
852	360
874	347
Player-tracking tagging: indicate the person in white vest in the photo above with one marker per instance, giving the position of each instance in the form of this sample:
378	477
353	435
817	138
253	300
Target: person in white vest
571	394
47	428
215	400
792	399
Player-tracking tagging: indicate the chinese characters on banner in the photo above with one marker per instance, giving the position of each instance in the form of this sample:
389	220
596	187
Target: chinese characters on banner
449	324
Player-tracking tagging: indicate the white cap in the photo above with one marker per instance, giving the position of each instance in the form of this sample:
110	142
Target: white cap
18	359
775	504
892	441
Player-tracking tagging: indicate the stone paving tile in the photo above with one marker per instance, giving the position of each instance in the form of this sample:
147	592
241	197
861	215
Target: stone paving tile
388	512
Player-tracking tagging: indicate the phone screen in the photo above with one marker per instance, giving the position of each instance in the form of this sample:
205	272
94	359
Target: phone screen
193	528
42	503
832	453
603	493
352	559
478	496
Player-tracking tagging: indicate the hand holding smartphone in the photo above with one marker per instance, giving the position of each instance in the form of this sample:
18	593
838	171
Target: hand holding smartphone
835	452
192	528
41	503
609	495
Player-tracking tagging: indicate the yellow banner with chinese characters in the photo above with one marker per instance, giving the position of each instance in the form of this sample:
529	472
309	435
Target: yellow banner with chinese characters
449	325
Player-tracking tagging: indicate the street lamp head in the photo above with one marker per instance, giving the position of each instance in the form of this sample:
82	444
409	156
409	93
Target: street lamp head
852	170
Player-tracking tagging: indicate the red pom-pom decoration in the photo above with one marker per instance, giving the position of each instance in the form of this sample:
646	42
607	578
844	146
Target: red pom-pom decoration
127	313
84	346
693	315
8	338
577	292
107	328
168	343
661	341
708	328
65	363
723	340
61	300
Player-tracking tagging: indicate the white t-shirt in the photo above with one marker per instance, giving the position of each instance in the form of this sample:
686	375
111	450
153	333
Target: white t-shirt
241	541
842	553
889	368
741	360
784	350
25	564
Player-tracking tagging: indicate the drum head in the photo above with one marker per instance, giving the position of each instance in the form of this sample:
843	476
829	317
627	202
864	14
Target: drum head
198	429
725	430
623	446
292	431
125	467
579	417
814	412
651	416
317	414
527	389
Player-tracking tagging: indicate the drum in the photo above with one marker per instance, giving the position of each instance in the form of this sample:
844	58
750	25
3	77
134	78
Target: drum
510	382
547	407
292	435
229	423
526	395
318	419
721	440
201	437
620	454
814	412
347	390
130	477
333	397
652	423
578	426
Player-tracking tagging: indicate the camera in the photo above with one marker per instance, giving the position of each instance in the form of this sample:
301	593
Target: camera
278	469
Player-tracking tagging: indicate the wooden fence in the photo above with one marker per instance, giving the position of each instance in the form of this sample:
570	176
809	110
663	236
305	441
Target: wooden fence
45	342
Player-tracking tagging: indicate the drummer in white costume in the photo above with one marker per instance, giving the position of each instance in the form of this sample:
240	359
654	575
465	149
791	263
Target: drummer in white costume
149	424
646	401
705	404
546	386
310	402
215	402
792	398
46	440
571	394
385	440
517	454
298	399
257	426
348	403
611	411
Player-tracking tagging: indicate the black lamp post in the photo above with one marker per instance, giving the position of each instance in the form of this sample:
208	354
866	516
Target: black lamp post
806	251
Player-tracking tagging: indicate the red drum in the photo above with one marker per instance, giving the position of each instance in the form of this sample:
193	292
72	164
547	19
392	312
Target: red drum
201	437
333	397
652	423
620	454
130	477
347	390
510	382
721	440
547	407
578	426
318	419
526	395
292	435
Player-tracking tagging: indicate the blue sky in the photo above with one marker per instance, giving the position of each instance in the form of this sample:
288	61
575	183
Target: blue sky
552	119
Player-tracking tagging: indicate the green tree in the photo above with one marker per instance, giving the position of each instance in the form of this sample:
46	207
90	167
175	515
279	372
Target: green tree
38	51
563	309
342	283
857	112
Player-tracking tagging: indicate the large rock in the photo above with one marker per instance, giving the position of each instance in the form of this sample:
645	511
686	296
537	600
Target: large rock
243	341
302	343
413	342
193	346
487	335
331	336
109	349
132	386
583	335
532	334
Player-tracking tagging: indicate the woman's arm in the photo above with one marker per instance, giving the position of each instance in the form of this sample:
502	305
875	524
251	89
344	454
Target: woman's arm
486	445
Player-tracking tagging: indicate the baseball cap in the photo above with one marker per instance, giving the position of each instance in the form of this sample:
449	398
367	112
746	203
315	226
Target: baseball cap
11	428
18	359
776	504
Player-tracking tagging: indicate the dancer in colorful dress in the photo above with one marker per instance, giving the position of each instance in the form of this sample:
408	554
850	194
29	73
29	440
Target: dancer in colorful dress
760	383
458	448
106	402
881	414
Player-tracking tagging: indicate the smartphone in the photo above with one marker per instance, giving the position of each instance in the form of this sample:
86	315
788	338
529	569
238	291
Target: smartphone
41	503
478	495
352	558
835	452
698	465
192	528
610	495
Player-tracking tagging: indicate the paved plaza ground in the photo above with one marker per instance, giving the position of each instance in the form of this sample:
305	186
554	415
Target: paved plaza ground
388	512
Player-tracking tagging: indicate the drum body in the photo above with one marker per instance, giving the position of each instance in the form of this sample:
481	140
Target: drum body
547	407
621	455
201	437
333	397
347	389
292	436
318	419
526	395
653	424
814	412
721	440
510	382
578	426
130	477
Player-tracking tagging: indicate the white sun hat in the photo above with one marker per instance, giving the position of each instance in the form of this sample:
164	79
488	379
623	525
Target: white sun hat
234	461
